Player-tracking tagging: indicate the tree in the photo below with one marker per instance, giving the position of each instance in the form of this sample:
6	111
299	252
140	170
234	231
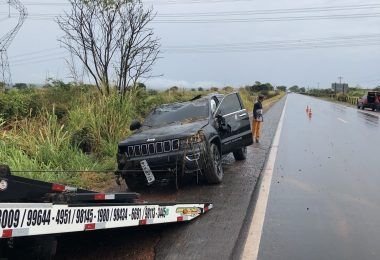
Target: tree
282	88
20	86
302	90
295	88
113	41
259	87
200	89
228	89
174	89
214	89
140	85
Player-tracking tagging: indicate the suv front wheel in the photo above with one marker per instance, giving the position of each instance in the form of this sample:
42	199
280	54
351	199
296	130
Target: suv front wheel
134	183
240	154
214	170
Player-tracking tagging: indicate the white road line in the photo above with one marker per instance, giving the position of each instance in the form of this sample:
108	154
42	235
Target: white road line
252	244
342	120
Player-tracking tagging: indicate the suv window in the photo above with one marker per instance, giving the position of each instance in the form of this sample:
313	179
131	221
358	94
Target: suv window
178	112
230	104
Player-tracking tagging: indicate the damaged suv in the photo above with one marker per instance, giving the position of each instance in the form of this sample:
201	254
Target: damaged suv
185	139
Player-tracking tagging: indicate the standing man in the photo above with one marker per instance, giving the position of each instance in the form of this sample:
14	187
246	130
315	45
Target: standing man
257	118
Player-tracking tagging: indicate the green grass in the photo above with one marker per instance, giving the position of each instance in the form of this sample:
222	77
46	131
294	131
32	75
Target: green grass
49	131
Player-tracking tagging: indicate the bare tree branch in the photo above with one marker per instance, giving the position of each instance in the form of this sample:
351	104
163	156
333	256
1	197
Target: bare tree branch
109	35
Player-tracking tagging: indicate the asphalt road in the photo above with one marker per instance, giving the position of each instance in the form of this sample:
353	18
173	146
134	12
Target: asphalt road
212	236
324	200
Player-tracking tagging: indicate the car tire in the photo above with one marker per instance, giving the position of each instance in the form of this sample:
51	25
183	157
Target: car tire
134	183
214	169
240	154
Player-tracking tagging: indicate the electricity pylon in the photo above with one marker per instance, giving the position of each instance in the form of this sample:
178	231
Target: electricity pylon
6	40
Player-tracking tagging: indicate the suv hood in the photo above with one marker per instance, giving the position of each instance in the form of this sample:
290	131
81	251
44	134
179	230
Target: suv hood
175	130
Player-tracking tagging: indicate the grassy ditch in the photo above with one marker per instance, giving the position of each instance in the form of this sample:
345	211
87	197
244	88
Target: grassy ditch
56	130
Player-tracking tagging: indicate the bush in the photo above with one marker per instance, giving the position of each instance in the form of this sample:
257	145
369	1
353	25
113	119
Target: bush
18	104
84	139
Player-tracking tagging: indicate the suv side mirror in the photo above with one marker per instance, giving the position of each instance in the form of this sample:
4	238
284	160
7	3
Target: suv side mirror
220	119
222	125
135	125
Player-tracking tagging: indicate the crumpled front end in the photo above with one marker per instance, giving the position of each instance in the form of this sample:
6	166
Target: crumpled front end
167	159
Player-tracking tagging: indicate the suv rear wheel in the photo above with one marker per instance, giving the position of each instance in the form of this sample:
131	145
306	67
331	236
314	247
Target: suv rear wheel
134	183
214	170
240	154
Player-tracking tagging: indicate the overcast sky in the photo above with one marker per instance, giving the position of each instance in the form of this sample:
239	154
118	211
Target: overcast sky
284	42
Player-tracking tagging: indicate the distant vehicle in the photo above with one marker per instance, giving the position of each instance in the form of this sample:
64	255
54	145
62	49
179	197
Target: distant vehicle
185	139
370	100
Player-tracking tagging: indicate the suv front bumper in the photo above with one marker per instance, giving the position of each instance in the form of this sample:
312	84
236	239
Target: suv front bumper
164	166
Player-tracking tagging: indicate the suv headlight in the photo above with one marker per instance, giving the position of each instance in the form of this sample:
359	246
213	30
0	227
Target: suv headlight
189	142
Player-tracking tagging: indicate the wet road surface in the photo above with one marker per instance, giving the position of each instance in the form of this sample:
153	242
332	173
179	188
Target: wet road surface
324	200
212	236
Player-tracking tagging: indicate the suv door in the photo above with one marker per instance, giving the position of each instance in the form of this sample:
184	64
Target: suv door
237	120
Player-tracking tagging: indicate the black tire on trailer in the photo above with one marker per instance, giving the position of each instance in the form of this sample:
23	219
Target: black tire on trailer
240	154
214	169
134	183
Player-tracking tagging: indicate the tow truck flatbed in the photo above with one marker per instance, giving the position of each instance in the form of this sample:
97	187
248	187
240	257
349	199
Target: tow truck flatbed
33	208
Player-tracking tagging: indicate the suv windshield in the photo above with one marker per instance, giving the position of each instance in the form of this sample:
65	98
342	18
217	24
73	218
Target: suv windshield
178	112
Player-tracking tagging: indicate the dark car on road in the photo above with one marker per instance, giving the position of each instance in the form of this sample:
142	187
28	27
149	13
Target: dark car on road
185	139
370	100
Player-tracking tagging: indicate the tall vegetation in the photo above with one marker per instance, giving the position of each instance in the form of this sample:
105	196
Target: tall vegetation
64	127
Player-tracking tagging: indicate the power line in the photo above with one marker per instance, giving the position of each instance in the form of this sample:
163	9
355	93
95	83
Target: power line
253	48
362	37
39	57
256	12
296	44
272	19
298	48
207	15
39	61
34	52
182	2
248	20
276	11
